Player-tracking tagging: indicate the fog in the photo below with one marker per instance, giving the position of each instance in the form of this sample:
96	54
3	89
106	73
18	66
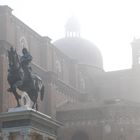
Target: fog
111	25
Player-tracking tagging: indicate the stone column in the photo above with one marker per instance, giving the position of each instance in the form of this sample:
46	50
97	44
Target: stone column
45	137
27	137
51	90
5	135
26	134
18	137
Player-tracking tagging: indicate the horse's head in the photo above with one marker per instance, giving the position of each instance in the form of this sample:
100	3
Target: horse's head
13	58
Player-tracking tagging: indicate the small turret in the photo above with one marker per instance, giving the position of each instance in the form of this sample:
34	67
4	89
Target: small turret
72	28
135	52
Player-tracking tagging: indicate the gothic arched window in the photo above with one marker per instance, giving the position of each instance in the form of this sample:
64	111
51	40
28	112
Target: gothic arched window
82	81
58	66
22	44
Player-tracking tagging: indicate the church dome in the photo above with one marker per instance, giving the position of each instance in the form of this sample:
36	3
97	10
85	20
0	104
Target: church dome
75	47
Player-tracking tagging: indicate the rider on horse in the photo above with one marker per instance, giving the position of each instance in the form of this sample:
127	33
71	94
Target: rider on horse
25	74
25	61
20	77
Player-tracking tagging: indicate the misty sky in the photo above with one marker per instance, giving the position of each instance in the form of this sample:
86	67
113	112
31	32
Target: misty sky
109	24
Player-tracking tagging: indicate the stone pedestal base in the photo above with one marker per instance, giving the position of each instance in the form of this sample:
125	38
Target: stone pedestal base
28	125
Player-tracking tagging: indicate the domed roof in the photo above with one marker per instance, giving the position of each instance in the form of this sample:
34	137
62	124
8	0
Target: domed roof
78	48
81	50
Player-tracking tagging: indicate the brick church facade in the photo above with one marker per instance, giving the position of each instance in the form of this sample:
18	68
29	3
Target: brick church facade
91	104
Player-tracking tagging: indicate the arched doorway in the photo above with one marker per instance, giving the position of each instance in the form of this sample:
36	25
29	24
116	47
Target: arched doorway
80	136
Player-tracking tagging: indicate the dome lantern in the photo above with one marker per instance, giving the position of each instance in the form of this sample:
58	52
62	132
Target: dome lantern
72	28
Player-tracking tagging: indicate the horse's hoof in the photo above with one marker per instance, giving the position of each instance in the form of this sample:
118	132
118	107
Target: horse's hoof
18	106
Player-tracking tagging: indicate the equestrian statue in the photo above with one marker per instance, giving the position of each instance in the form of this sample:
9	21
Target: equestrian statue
20	76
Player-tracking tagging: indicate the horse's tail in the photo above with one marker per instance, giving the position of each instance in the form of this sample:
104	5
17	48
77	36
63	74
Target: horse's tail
42	92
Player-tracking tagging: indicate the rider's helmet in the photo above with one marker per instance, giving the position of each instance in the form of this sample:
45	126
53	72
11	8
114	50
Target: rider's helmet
24	50
11	49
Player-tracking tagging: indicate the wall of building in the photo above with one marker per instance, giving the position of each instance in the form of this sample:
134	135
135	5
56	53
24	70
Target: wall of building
45	55
46	58
19	35
105	122
123	84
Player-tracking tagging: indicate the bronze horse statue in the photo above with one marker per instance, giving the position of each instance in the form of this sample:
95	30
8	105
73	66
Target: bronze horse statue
32	85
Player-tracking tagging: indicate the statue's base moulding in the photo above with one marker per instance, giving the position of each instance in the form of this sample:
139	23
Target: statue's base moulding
21	123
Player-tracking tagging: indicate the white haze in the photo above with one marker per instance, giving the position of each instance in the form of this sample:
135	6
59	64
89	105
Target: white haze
110	24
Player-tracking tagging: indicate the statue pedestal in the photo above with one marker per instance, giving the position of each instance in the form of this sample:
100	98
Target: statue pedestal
17	109
28	125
